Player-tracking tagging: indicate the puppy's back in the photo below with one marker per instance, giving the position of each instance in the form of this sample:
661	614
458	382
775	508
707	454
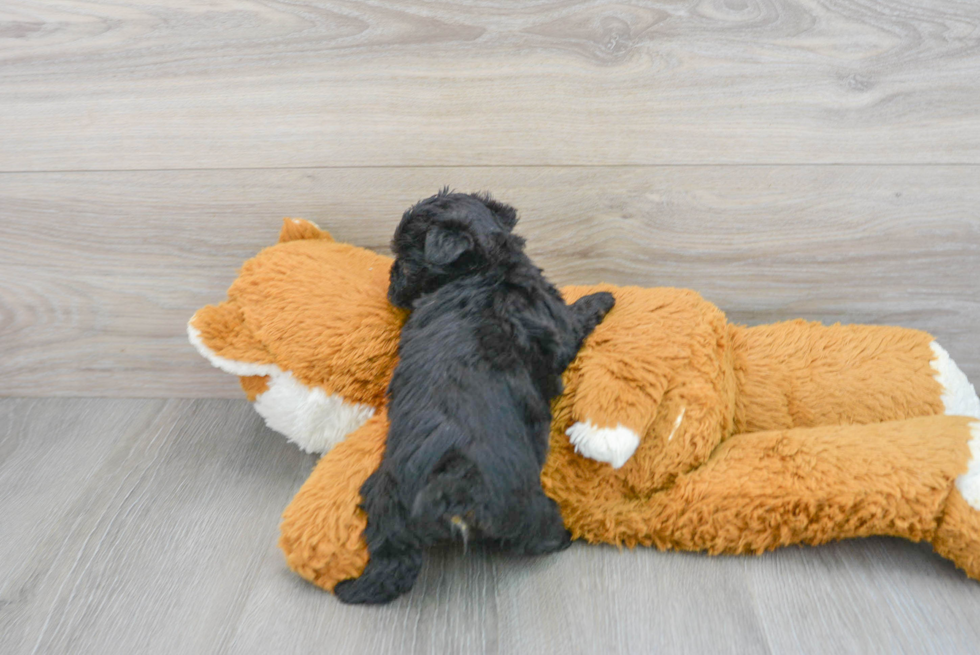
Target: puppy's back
466	426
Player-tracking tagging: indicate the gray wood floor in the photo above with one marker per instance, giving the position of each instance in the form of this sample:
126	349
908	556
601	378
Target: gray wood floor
787	158
149	526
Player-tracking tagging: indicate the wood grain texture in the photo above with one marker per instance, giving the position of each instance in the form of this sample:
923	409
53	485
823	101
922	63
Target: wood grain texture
100	271
134	526
261	83
895	582
149	526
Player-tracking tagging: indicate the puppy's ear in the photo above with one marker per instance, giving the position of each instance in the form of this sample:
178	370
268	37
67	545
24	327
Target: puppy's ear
504	212
444	246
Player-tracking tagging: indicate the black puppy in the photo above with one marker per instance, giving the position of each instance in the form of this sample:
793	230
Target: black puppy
469	405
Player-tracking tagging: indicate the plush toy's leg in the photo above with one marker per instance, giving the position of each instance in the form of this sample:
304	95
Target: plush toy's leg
654	342
958	537
762	490
322	528
801	374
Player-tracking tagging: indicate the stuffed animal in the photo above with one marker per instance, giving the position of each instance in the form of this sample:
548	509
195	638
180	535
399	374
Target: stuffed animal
676	429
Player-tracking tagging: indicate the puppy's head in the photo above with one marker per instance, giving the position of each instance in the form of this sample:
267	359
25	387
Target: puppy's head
446	237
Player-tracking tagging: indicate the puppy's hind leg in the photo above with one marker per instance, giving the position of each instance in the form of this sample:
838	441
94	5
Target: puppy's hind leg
542	529
395	556
388	574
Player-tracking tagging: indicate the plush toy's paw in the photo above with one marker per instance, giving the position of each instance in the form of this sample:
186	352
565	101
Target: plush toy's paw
959	396
969	482
612	445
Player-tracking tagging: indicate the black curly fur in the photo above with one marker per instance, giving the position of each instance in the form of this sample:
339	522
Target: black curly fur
480	359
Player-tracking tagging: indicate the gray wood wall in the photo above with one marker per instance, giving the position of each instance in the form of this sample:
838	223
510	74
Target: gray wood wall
786	158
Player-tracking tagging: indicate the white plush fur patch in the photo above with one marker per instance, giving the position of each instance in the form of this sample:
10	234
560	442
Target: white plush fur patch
969	482
612	445
959	396
307	416
960	399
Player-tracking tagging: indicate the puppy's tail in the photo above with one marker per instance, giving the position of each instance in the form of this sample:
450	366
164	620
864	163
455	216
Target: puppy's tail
451	495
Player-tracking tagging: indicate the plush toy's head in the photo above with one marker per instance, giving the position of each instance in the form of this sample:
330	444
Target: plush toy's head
445	236
308	328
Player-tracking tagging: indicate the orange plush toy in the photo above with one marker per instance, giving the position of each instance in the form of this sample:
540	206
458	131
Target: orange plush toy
676	428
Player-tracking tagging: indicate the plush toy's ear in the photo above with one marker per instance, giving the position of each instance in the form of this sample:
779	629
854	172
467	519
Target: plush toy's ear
221	335
444	246
294	229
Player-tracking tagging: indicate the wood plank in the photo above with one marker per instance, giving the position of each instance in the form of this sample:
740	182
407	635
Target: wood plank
588	599
50	454
135	526
100	271
150	526
239	83
875	595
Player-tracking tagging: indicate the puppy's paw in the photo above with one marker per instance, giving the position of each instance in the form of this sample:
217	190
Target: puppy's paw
604	301
547	534
557	541
356	592
383	581
595	305
611	445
